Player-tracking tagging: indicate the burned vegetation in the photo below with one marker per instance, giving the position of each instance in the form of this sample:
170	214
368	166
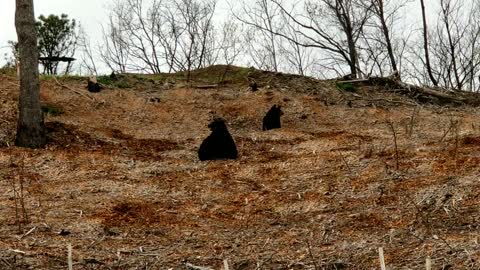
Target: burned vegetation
126	179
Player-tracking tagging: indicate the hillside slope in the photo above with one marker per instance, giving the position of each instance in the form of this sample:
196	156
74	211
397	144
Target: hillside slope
122	177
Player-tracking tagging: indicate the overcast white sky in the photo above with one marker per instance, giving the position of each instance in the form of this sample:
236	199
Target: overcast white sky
91	14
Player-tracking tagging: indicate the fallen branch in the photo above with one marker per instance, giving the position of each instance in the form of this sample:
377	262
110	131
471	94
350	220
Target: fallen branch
421	93
69	257
428	263
392	101
27	233
382	259
355	81
73	90
18	251
206	86
195	267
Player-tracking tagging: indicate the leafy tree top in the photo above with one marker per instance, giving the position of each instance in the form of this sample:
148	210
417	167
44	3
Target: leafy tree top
56	38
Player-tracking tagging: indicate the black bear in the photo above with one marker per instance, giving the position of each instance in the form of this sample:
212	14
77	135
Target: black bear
93	86
253	86
113	76
272	118
219	144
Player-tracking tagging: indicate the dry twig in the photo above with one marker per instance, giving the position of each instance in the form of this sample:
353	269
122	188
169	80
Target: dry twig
392	128
73	90
70	262
382	258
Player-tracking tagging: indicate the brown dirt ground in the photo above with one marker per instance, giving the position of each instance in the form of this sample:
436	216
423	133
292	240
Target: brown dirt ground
121	175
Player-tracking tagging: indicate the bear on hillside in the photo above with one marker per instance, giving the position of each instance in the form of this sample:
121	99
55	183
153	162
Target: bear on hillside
93	86
219	144
272	118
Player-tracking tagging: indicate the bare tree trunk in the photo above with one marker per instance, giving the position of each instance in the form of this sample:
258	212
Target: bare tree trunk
425	45
446	10
352	50
379	8
30	129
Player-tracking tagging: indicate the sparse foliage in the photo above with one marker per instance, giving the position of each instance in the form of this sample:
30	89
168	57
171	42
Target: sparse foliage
57	37
148	36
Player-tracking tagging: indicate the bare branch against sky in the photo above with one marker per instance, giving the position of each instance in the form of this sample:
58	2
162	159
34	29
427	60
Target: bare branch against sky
90	13
93	16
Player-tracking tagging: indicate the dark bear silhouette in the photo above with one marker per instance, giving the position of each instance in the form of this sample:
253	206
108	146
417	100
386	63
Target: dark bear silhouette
253	86
93	86
272	118
219	144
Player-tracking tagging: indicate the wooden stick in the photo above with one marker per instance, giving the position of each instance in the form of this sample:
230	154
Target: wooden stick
206	86
382	258
225	265
73	90
346	163
354	81
428	263
70	261
18	251
195	267
27	233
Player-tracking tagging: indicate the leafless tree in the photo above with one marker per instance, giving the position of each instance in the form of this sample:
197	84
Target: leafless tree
130	39
333	26
455	44
231	45
379	38
299	59
453	48
30	129
148	35
425	45
195	17
88	61
115	51
262	18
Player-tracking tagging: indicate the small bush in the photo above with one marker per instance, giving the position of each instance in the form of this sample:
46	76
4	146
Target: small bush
52	110
63	78
346	86
119	82
8	70
105	80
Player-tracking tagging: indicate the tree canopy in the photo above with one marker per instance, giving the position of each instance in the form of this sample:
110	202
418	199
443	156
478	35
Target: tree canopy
56	38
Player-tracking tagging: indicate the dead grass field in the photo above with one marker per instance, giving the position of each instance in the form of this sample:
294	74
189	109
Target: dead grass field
121	178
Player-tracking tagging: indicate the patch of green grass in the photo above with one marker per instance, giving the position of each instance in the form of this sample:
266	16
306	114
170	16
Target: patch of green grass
121	81
47	77
52	109
7	70
105	80
122	84
346	86
217	74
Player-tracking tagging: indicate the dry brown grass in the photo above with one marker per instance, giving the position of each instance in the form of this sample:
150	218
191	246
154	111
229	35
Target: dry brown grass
122	176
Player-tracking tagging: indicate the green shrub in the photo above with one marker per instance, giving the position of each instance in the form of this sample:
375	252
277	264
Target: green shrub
346	86
105	80
8	70
119	82
53	110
